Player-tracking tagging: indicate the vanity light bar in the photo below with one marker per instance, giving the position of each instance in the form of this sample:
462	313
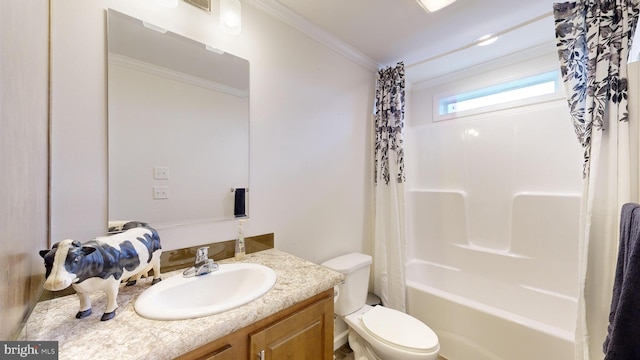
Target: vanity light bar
154	27
434	5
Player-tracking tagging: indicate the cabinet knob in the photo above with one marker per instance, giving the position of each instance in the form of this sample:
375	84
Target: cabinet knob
261	355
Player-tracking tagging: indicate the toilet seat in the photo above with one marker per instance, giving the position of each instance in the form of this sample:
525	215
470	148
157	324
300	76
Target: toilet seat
400	330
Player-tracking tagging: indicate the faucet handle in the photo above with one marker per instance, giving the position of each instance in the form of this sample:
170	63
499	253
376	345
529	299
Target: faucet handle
202	254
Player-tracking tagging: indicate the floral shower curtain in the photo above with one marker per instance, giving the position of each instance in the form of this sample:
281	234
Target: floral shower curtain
389	237
593	39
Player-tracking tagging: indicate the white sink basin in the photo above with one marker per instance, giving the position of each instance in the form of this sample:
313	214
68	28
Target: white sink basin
179	297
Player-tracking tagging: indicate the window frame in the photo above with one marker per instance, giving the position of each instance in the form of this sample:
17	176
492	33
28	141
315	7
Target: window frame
505	85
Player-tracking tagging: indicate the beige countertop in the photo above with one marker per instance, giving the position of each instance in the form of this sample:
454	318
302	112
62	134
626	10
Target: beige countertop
130	336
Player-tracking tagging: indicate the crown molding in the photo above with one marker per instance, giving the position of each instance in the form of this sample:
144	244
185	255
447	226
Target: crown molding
283	13
134	64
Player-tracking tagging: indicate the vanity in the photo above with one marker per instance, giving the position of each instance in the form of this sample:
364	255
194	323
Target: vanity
294	317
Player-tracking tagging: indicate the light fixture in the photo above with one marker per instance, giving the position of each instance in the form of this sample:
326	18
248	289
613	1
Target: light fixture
214	49
154	27
231	16
434	5
200	4
167	3
486	40
230	12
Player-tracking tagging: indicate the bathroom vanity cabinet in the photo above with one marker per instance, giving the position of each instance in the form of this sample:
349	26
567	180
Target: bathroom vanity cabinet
302	331
294	318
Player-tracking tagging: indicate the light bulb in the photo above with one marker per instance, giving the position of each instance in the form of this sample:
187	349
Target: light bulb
231	16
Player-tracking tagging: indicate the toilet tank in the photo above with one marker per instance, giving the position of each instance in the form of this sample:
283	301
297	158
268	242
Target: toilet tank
352	292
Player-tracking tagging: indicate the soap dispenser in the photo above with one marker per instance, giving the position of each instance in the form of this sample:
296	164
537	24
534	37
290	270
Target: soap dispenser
240	252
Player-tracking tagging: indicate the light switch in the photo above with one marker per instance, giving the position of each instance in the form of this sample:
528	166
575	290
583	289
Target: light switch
161	173
160	192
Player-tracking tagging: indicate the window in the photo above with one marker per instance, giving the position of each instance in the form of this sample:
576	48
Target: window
518	92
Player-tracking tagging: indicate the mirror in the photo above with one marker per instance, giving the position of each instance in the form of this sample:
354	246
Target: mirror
178	127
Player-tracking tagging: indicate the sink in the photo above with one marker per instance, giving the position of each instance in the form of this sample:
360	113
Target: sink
179	297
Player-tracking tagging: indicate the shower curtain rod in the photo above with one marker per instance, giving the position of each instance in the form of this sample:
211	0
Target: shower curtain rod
476	42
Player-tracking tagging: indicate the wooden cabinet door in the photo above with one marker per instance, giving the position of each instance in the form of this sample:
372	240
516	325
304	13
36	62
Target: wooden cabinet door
304	335
224	353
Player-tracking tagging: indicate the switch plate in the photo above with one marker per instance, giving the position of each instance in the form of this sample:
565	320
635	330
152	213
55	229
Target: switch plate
161	173
160	192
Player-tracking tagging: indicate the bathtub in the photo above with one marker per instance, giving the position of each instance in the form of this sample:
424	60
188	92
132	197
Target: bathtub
481	318
495	282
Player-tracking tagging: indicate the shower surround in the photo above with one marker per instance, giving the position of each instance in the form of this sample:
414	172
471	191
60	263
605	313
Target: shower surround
493	206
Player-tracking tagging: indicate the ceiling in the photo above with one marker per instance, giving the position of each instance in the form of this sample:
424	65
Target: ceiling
383	32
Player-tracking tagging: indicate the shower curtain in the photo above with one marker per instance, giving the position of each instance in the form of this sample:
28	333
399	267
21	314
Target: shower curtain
593	39
389	236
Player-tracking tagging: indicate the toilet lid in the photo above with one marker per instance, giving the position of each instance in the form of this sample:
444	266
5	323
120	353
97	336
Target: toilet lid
399	329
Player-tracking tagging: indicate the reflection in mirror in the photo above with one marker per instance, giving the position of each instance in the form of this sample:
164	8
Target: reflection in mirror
178	127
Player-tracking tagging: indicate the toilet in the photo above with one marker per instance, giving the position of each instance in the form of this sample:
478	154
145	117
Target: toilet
376	332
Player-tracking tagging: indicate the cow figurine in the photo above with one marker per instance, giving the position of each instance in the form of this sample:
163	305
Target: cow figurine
115	227
102	263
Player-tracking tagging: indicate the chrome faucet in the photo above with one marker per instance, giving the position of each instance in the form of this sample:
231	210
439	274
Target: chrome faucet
203	264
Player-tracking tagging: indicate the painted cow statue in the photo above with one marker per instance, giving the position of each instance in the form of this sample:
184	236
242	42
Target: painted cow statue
102	264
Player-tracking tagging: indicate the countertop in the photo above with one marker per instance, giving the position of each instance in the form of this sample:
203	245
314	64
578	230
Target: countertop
130	336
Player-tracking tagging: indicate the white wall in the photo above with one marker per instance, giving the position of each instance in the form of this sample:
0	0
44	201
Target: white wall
310	173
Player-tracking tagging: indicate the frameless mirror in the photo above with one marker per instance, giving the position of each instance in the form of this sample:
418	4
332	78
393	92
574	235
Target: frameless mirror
178	127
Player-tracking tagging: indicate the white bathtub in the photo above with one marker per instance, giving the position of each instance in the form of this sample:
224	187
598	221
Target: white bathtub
480	318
